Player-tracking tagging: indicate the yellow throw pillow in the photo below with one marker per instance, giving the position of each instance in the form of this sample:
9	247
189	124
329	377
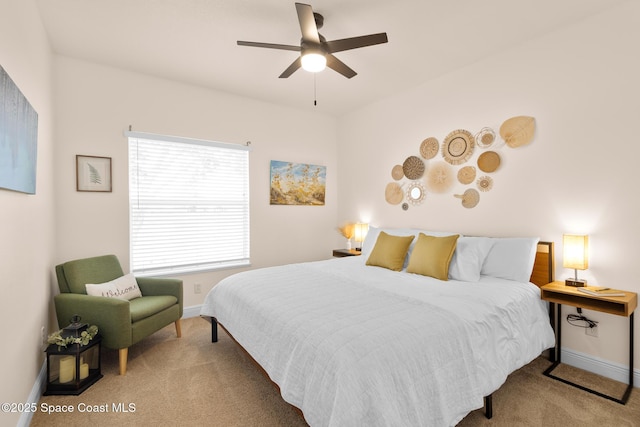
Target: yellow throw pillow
390	251
432	255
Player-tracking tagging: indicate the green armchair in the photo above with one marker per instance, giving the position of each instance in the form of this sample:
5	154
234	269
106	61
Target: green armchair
121	323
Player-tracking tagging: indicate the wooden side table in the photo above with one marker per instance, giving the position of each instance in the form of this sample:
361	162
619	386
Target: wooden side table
339	253
558	293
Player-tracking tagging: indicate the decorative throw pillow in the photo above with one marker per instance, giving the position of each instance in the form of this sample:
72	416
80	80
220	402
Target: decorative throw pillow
432	255
124	287
389	251
372	237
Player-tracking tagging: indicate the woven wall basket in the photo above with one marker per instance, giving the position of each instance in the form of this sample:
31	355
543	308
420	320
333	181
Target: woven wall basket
470	198
413	167
467	174
518	131
393	193
458	147
489	161
429	148
397	173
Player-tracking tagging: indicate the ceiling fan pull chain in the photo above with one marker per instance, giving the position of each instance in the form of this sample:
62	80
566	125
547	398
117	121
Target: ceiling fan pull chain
315	101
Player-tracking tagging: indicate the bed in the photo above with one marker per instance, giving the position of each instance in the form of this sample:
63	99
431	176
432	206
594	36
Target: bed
351	341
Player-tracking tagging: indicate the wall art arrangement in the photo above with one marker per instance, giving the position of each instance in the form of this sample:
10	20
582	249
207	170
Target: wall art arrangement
18	138
297	183
93	173
461	158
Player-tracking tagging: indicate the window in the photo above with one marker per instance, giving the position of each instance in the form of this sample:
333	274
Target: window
189	204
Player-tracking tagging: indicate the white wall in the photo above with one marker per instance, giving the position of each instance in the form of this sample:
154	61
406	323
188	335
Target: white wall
96	104
578	175
26	221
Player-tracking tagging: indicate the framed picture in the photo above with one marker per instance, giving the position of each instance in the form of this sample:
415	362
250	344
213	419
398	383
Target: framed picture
93	173
18	138
297	184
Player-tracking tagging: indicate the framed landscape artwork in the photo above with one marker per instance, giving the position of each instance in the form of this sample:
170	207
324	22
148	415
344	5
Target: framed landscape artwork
18	138
297	184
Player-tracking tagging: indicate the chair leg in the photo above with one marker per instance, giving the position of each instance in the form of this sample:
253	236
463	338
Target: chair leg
178	328
123	352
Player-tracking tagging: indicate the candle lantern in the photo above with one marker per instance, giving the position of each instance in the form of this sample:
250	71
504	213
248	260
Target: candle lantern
72	367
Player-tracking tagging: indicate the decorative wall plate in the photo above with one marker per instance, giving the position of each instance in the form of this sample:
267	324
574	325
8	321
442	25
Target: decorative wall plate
397	173
429	148
458	147
413	167
489	161
467	174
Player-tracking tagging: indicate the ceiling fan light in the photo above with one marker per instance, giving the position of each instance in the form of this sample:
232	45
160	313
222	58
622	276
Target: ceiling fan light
313	62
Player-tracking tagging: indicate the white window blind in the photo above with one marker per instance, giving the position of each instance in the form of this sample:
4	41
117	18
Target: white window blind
189	204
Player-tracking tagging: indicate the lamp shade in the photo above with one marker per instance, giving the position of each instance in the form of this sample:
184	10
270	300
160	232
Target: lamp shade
575	251
360	231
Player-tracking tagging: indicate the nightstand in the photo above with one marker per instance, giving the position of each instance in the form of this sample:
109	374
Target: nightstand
558	293
339	253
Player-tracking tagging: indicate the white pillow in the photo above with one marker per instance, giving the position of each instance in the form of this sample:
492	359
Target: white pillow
372	236
124	287
469	257
511	258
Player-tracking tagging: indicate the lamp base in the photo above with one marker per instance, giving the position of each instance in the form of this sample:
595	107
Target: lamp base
576	283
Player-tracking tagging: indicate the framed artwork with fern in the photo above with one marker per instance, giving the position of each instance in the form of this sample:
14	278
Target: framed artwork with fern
93	173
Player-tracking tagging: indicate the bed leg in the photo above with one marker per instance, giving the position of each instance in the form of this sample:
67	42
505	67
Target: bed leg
488	406
214	330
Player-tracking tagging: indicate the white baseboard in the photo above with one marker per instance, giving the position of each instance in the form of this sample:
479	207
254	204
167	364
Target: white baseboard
34	396
599	366
193	311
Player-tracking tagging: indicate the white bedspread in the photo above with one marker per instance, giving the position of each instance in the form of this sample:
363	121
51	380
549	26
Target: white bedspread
354	345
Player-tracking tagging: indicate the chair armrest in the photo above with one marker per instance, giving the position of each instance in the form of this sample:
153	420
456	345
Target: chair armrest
161	286
111	316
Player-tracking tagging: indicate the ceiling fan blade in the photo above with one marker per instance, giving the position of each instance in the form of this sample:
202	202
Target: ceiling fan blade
307	23
339	66
269	45
355	42
291	69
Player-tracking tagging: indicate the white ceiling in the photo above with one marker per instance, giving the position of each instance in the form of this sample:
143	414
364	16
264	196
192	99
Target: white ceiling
194	41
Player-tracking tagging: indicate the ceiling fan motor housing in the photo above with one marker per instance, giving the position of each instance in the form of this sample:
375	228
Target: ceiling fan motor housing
319	19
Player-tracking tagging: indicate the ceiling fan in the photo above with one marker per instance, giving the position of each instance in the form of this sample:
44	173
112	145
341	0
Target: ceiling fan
315	51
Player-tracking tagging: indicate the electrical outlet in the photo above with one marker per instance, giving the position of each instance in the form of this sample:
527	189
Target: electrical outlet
43	336
592	332
197	288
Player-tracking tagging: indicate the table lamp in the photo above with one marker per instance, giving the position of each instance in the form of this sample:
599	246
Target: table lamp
575	254
360	231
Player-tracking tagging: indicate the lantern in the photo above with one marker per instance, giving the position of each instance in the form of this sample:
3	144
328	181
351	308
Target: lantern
73	368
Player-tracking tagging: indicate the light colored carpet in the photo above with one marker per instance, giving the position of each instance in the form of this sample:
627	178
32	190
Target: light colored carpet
191	382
